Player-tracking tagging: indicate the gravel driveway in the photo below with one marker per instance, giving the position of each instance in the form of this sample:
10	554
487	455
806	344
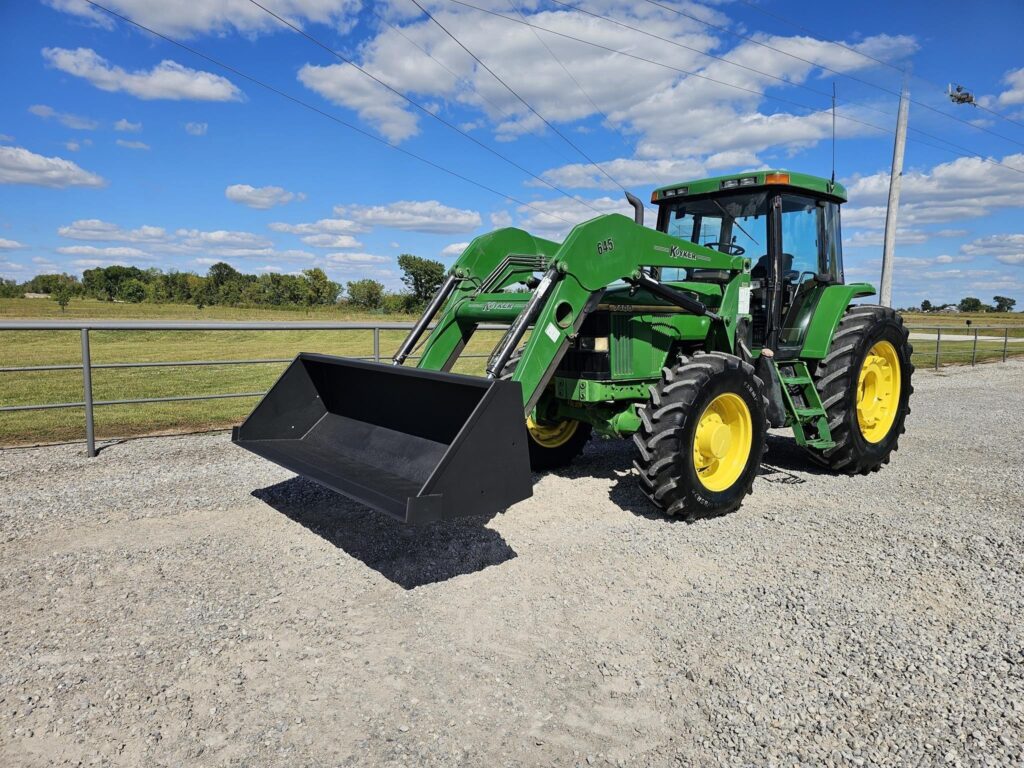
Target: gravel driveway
180	602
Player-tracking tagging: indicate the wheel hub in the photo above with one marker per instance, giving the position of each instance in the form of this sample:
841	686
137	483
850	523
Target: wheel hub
722	442
878	391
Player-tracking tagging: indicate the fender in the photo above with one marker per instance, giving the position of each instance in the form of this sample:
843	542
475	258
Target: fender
829	311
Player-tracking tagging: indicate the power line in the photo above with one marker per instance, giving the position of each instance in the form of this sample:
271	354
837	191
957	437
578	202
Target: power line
565	69
851	49
418	106
969	153
328	115
757	71
459	78
511	90
829	69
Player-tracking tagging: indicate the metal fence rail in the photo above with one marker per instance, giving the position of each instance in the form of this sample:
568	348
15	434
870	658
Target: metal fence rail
86	366
987	335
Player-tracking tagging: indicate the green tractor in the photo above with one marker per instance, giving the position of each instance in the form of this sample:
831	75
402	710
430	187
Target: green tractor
731	317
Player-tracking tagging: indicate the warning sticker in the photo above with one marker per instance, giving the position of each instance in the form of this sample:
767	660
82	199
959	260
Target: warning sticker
552	332
744	307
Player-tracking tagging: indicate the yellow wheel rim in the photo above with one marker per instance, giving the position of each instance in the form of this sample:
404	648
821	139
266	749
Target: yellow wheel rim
878	392
722	442
551	435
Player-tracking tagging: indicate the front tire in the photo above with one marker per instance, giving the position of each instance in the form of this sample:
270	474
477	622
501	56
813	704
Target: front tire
702	436
552	444
865	386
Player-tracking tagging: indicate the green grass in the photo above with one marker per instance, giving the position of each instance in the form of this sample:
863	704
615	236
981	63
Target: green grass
27	348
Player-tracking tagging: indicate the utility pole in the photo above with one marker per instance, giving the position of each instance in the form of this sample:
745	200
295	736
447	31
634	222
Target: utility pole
895	177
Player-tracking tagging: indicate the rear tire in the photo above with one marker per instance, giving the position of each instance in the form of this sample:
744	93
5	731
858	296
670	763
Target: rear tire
552	445
702	436
869	359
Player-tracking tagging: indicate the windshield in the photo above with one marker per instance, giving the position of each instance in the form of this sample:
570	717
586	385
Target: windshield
735	224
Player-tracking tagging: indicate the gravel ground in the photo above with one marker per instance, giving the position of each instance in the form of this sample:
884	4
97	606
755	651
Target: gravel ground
180	602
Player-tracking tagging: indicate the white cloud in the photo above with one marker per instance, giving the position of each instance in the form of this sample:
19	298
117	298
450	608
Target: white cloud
167	80
1007	248
214	16
95	229
342	84
132	144
414	216
19	166
6	137
10	245
70	121
223	239
1014	94
10	267
196	129
555	218
113	252
260	197
629	172
127	127
500	219
455	249
331	241
356	259
323	226
72	146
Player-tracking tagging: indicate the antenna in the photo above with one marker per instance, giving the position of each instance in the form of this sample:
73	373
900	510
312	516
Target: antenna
833	133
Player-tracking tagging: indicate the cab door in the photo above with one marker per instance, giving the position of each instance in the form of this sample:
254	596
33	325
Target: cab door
811	260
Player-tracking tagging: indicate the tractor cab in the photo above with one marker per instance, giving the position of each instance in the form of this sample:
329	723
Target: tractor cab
786	224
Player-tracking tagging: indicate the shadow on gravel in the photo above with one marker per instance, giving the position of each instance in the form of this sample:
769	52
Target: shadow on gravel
613	460
410	556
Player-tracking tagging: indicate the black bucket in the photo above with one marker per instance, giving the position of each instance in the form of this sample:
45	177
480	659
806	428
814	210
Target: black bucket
419	445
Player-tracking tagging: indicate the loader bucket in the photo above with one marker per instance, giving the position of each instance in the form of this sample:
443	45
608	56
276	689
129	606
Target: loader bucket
419	445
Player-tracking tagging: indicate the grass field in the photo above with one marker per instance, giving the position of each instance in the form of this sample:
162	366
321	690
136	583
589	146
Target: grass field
29	348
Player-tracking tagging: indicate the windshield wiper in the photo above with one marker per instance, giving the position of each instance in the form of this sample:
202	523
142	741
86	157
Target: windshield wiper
734	221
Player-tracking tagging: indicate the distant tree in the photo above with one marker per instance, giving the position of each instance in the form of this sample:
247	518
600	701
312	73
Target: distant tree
9	289
320	289
49	283
422	276
62	295
368	294
132	290
970	304
1004	303
926	306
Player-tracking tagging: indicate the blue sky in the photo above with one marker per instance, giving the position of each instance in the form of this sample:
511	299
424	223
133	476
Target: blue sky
118	147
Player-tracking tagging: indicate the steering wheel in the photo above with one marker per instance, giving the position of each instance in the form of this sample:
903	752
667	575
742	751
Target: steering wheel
730	248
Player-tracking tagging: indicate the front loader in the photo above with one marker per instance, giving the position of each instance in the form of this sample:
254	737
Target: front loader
693	338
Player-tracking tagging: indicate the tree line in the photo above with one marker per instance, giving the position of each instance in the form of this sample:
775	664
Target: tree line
973	304
223	285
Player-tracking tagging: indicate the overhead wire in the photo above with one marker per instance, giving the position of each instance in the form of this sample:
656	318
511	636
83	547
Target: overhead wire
964	151
757	7
511	90
579	86
838	72
421	107
334	118
460	78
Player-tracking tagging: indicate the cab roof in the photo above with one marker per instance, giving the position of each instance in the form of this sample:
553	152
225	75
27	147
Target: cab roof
749	181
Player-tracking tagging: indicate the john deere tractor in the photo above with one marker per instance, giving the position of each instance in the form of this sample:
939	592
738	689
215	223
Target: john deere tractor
693	338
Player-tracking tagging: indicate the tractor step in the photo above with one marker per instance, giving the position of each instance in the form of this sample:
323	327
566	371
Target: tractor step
806	412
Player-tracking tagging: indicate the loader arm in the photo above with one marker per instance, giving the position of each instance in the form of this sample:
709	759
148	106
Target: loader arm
596	254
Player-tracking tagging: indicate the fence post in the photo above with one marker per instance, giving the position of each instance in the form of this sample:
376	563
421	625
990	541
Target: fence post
938	343
974	349
1006	341
90	433
376	344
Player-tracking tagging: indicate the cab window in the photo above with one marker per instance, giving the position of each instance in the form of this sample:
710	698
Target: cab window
800	241
734	224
